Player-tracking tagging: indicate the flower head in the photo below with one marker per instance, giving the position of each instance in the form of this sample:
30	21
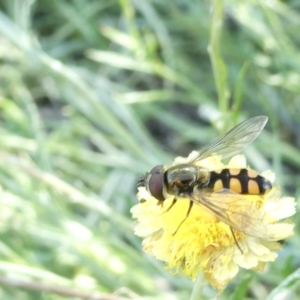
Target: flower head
242	232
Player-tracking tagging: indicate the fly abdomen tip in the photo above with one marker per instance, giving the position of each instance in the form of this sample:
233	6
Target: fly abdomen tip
267	185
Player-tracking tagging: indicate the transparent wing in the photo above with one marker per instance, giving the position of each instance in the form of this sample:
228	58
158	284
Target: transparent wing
235	139
237	211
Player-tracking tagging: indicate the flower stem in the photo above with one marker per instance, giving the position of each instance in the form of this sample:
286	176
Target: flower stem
198	287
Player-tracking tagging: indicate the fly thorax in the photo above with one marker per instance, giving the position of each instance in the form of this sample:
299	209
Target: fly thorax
181	179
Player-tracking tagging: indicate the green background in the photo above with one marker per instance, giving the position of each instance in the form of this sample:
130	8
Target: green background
94	94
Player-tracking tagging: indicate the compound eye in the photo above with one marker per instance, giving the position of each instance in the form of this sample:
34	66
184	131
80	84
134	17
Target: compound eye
155	182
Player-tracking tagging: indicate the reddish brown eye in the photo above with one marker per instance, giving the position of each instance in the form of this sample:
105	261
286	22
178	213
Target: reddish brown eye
155	182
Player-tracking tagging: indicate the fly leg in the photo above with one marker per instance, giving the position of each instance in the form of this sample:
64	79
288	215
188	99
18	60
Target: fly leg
235	240
187	214
172	204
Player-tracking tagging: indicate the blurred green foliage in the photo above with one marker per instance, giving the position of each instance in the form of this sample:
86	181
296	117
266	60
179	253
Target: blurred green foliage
94	93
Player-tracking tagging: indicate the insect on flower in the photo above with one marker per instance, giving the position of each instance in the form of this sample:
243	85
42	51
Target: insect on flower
219	191
200	214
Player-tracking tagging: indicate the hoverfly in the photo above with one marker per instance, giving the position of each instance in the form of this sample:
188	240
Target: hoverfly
221	192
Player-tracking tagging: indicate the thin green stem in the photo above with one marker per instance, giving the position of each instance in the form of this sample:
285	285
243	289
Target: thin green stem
200	282
214	49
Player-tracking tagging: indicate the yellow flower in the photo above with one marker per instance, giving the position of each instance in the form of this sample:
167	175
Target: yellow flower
200	242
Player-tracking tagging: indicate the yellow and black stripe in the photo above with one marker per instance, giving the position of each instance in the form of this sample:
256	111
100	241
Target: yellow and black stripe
242	181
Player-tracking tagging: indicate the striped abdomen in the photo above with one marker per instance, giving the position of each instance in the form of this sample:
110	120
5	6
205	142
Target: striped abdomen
241	181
